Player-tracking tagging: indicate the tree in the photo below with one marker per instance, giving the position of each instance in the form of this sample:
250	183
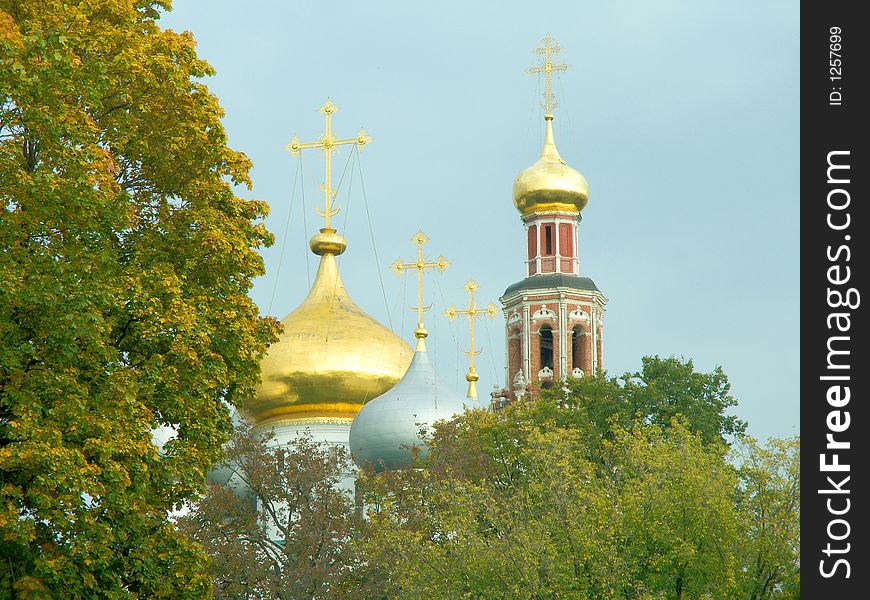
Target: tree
679	522
769	503
126	264
278	527
516	504
669	387
511	505
664	388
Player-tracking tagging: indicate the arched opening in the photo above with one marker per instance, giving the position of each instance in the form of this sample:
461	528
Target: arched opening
578	343
549	242
546	349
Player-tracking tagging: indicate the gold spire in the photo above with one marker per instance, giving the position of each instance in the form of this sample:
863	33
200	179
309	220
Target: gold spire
549	184
327	240
472	312
548	50
421	265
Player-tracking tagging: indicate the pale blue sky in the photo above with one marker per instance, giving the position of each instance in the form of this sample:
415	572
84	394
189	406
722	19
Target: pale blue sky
681	114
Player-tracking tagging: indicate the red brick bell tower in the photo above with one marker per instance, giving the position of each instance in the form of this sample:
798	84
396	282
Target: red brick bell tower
553	317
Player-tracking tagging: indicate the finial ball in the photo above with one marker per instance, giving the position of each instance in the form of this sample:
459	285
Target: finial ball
327	242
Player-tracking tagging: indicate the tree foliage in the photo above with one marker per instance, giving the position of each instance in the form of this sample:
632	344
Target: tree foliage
769	502
517	504
663	389
572	495
510	505
123	297
679	522
278	527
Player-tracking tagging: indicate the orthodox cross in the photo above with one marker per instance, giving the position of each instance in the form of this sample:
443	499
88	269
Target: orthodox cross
472	312
440	264
548	50
327	143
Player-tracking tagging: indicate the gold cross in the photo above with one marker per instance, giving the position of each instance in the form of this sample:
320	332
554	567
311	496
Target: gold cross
440	264
327	143
472	312
548	50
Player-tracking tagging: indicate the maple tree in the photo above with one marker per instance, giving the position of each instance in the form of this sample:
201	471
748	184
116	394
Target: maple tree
127	258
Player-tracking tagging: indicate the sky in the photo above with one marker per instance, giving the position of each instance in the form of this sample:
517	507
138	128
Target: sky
682	115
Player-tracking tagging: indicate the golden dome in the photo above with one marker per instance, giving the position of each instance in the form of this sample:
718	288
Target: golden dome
550	184
332	357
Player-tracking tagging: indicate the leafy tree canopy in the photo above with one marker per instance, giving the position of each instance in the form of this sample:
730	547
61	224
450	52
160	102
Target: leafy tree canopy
663	389
575	494
769	504
126	264
517	504
510	505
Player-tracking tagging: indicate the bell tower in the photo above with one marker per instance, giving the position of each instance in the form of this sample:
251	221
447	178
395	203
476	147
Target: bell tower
553	317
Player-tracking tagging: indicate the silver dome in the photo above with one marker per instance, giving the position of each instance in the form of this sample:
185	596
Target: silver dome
387	428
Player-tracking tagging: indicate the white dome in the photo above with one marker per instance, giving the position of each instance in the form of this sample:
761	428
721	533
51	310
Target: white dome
387	428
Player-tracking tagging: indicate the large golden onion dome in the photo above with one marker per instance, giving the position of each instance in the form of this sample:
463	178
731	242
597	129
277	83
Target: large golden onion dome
550	184
331	358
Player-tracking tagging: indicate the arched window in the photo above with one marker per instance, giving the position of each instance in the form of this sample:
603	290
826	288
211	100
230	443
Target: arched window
578	342
546	351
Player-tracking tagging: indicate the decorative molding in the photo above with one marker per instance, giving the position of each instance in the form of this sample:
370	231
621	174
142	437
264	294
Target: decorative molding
545	373
572	216
579	314
307	421
520	385
536	295
577	373
544	313
514	317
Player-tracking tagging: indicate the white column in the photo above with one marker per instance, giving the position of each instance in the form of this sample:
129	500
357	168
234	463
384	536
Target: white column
527	341
599	324
593	324
576	247
529	259
507	350
563	344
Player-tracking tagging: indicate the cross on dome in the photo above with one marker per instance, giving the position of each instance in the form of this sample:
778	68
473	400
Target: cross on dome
548	50
440	264
472	311
327	143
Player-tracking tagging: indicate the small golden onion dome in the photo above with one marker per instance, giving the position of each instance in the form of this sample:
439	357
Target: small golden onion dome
331	357
550	184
